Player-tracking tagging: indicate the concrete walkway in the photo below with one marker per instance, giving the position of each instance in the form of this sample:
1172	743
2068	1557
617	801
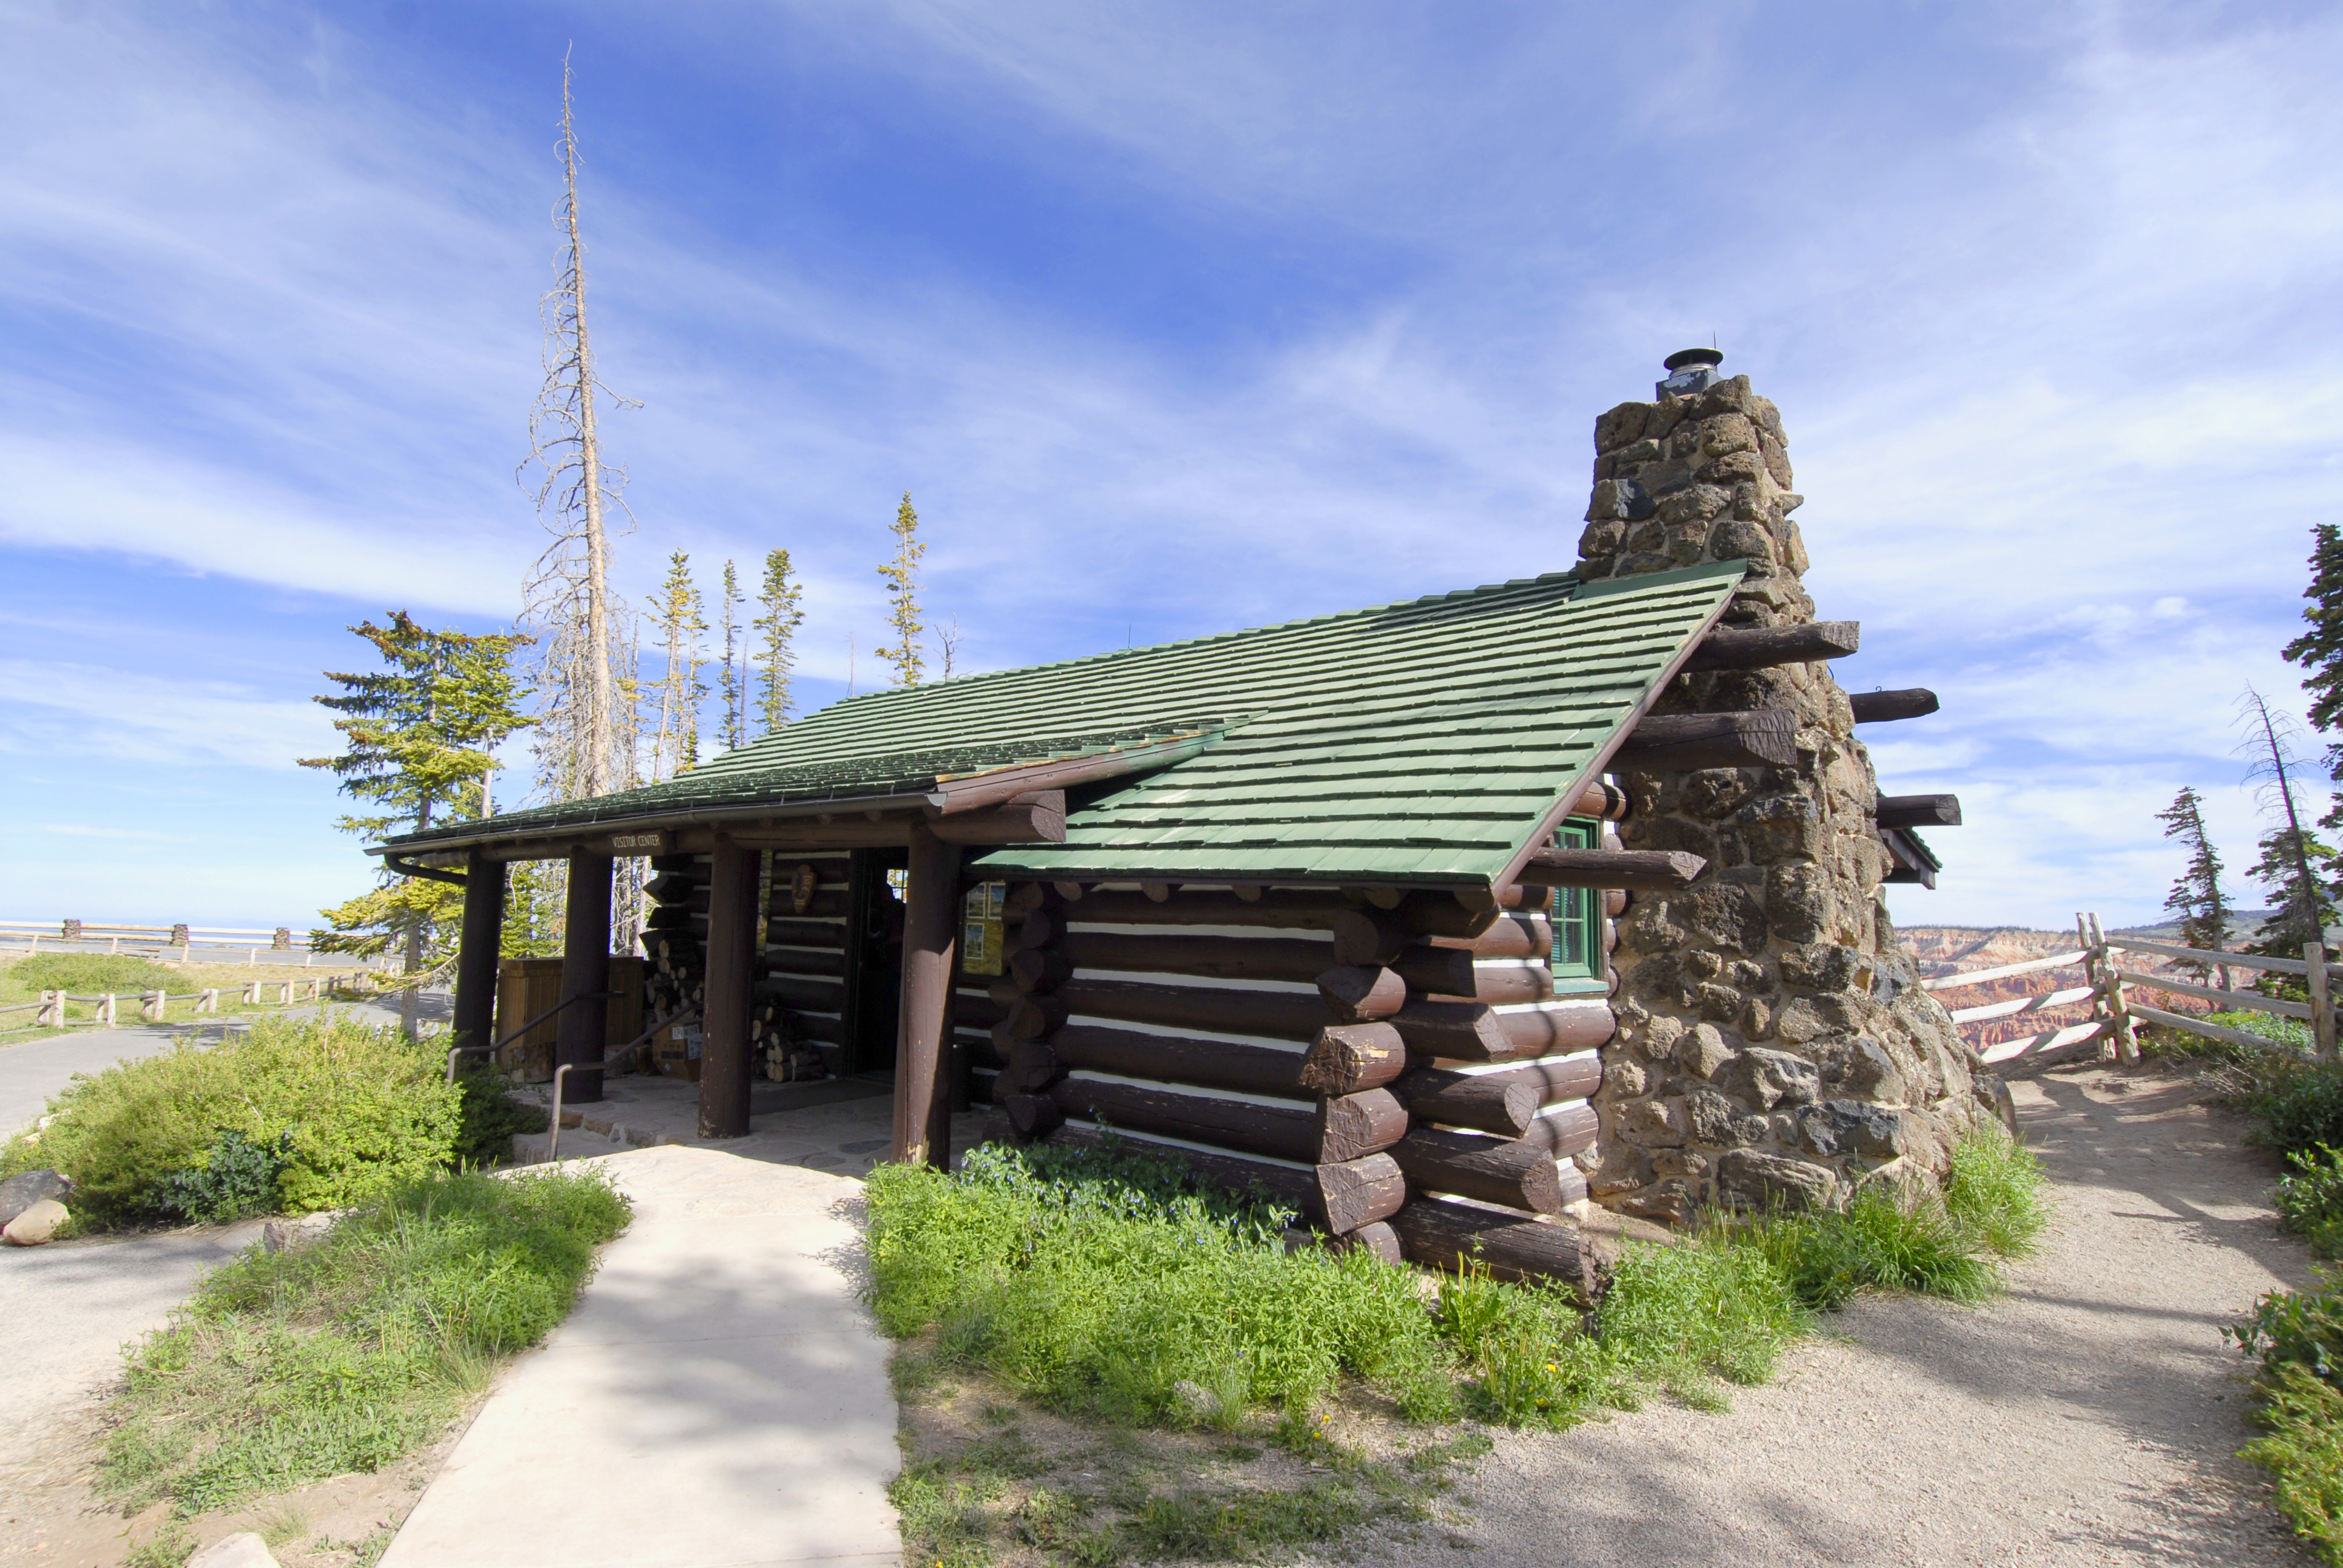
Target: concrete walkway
718	1399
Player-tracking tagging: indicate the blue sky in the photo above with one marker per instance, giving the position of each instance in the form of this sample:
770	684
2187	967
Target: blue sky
1172	319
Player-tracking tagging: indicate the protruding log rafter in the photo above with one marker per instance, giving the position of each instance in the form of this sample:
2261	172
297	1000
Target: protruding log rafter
1440	1234
1683	742
1881	707
1036	818
1631	870
1761	647
1919	811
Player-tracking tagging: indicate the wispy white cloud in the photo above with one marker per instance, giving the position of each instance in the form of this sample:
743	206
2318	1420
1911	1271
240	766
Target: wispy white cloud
58	709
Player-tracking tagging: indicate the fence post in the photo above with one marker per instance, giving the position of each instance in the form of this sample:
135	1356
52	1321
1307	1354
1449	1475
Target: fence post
53	1010
2322	999
105	1010
208	1002
2127	1035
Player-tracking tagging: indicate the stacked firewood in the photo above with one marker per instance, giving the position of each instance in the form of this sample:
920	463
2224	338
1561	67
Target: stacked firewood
675	937
1397	1067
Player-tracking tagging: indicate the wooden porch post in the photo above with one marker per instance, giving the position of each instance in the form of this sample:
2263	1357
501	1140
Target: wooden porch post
583	1032
477	950
922	1054
731	979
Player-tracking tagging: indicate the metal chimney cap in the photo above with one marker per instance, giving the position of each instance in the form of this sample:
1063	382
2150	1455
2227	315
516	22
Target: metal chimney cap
1683	356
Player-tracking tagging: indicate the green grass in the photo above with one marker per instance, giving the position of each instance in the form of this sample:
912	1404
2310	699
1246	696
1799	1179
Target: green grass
349	1112
350	1353
1097	1286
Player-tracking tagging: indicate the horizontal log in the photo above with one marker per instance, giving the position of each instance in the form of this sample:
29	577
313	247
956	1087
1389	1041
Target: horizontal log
1274	1015
1603	802
1040	968
1293	909
1039	929
976	1010
1378	1239
1033	1115
1635	870
1361	993
1574	1185
1371	936
1565	1131
1448	915
1884	707
1761	648
1558	1027
1359	1193
1502	984
1206	1063
1032	1067
1283	1132
1026	897
1517	934
1465	1031
1486	1102
802	995
1349	1056
828	962
826	1030
1037	819
1438	1234
1354	1126
1919	811
1681	743
1436	972
1517	1172
807	933
827	904
1214	957
1556	1079
1035	1017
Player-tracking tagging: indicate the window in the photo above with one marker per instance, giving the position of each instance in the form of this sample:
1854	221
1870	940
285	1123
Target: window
1577	913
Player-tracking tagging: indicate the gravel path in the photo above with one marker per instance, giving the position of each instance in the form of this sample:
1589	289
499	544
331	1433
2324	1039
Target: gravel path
2093	1417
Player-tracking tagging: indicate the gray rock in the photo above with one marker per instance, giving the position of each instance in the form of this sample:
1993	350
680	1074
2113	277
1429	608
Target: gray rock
1776	1077
1748	1179
20	1192
243	1551
1702	1051
1841	1127
35	1224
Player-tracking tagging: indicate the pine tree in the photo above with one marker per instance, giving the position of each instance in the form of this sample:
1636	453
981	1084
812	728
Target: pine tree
675	744
733	691
903	574
2197	897
2293	864
2319	651
776	656
417	738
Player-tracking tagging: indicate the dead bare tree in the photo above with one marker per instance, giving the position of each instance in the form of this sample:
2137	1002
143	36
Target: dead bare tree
567	594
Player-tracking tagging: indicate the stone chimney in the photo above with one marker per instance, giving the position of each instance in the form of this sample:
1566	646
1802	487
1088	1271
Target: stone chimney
1773	1045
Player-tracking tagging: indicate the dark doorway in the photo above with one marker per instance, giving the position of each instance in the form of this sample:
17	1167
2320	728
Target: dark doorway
874	961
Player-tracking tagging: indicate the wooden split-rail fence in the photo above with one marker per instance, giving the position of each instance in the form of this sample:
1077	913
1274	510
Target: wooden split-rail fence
2109	985
155	1006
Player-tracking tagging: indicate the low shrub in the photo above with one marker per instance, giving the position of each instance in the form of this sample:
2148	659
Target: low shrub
2310	1198
350	1109
2298	1337
349	1353
2300	1106
487	1116
1098	1283
90	974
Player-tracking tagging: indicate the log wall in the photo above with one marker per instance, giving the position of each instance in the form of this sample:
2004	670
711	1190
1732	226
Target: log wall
1343	1057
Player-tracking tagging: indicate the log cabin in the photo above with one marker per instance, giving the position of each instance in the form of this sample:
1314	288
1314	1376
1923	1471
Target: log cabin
1326	908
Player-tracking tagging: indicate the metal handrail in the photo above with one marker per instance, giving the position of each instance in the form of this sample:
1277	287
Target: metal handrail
455	1052
553	1145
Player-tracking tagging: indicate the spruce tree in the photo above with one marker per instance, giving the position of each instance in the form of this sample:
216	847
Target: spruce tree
2319	651
2197	897
903	574
417	738
675	744
776	656
2293	864
733	691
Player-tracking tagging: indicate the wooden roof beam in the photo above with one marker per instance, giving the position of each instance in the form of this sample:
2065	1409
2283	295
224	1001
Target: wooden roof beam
1919	811
1760	648
1881	706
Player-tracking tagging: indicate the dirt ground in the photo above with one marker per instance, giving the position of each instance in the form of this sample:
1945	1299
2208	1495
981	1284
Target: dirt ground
2093	1417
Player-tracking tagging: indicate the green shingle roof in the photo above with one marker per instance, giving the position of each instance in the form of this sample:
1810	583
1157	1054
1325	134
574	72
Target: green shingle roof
1415	742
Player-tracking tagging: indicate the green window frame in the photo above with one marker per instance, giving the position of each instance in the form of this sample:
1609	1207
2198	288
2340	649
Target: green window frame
1576	913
